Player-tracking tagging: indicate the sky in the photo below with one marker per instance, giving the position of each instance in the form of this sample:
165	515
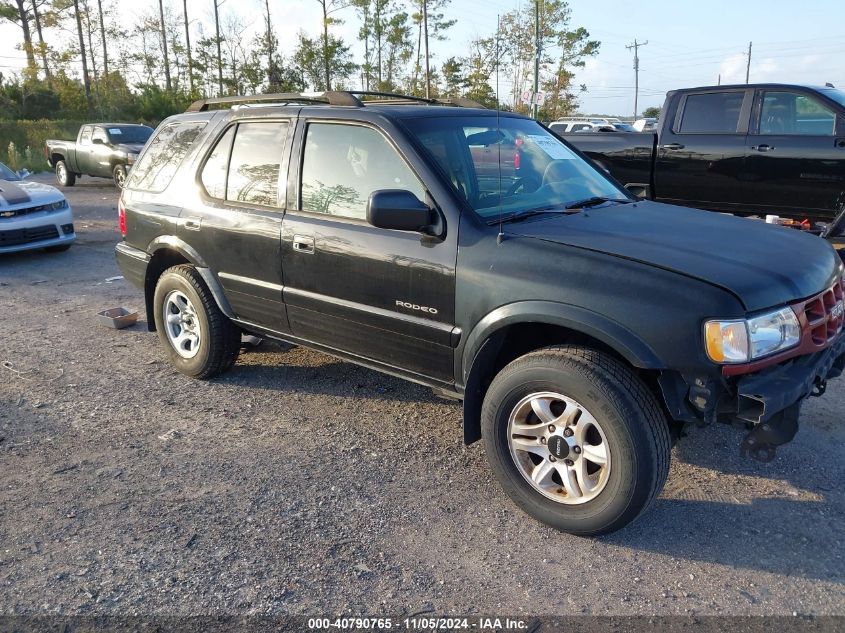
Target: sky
689	43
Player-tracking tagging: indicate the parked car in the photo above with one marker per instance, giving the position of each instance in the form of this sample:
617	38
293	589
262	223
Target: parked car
748	149
564	127
644	125
103	149
32	215
582	328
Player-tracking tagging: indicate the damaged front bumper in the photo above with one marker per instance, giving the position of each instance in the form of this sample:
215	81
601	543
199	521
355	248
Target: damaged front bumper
768	401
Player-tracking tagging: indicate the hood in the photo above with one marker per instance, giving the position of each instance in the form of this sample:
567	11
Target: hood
763	265
130	148
20	192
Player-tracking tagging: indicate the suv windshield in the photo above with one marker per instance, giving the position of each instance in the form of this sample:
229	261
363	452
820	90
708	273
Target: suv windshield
129	133
7	174
510	165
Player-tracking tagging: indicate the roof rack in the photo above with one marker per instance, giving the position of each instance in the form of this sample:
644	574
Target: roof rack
332	97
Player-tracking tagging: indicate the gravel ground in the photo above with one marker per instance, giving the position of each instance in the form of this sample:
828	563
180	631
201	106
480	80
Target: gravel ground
299	484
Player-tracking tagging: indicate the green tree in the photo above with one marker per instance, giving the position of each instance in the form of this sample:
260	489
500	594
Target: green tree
438	24
454	81
313	57
651	113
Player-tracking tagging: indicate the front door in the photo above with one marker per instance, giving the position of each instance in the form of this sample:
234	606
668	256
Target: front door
237	227
701	153
796	153
381	295
100	155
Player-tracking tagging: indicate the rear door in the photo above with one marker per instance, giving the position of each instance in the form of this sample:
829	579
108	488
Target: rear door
796	154
236	227
701	151
381	295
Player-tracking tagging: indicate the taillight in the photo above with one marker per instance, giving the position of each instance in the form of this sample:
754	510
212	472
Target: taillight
516	159
121	217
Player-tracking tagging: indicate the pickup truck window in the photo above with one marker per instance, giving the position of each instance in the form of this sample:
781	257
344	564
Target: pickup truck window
254	166
85	137
344	164
510	165
129	133
158	164
794	113
99	134
712	113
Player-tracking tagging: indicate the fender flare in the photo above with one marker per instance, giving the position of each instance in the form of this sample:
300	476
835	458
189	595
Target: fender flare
485	340
173	243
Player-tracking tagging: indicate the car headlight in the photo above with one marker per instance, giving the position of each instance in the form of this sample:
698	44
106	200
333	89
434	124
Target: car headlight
741	341
61	204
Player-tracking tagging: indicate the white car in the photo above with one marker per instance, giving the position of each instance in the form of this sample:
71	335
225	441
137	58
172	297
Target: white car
32	215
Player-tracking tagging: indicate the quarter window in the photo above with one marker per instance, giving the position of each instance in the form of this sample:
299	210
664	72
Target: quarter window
254	166
712	113
343	164
215	169
795	114
159	162
85	137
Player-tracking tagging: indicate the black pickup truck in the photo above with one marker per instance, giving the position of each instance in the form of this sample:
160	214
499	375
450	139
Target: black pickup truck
101	149
747	149
581	327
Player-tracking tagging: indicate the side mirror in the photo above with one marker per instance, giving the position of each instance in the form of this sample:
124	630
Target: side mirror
23	173
640	191
98	141
398	209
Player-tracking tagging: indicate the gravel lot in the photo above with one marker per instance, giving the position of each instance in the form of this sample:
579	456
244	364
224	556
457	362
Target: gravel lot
299	484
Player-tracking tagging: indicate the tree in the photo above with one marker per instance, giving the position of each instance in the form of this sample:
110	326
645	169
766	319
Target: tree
651	113
480	65
86	81
167	81
188	46
329	7
437	27
18	13
313	57
454	81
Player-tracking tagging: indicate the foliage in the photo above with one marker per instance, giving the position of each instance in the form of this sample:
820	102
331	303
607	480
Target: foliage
651	113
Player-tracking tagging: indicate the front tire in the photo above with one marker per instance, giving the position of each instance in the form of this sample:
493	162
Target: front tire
64	176
200	340
119	176
576	439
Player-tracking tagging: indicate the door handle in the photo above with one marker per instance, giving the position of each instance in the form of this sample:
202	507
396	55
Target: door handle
762	148
840	143
303	243
193	224
672	146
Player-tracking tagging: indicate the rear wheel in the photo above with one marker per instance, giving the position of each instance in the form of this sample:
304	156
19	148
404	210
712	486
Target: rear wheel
576	439
64	176
200	340
119	175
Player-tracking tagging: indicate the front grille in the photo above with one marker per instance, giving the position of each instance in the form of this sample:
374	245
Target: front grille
26	236
13	213
824	314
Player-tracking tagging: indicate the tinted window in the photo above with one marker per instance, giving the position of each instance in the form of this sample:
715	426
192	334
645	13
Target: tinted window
162	157
714	113
254	167
794	113
214	172
129	133
344	164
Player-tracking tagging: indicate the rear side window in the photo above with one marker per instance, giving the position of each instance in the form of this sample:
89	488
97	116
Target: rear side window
795	114
156	168
85	137
712	113
254	166
215	169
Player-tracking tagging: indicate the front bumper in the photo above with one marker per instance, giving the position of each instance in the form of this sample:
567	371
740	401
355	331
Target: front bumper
36	230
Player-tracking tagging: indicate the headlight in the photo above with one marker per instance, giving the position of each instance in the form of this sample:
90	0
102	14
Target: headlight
750	339
61	204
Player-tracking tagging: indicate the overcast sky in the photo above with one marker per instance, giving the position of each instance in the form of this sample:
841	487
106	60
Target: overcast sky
689	43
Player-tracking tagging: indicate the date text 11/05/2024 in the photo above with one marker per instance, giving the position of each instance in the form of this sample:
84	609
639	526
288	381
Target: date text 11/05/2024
419	623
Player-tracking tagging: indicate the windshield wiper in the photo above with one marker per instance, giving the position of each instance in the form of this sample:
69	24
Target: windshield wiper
593	201
567	209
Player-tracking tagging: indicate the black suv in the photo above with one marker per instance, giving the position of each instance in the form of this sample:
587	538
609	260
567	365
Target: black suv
475	252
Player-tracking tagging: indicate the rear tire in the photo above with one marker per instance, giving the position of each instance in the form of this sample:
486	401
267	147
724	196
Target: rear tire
576	439
64	176
119	176
200	340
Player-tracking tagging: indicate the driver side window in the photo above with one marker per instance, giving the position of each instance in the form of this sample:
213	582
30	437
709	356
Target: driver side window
343	164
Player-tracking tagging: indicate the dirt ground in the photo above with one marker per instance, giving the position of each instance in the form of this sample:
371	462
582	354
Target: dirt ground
299	484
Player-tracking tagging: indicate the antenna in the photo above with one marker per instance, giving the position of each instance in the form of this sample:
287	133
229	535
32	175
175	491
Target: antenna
501	236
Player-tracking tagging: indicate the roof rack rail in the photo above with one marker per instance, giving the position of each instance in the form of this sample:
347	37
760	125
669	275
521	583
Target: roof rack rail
331	97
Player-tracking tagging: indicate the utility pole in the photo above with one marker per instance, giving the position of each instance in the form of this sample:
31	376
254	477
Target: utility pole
636	48
535	107
219	55
425	34
748	67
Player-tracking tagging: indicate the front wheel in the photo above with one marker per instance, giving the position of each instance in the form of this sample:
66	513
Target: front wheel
200	340
119	175
576	439
64	176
